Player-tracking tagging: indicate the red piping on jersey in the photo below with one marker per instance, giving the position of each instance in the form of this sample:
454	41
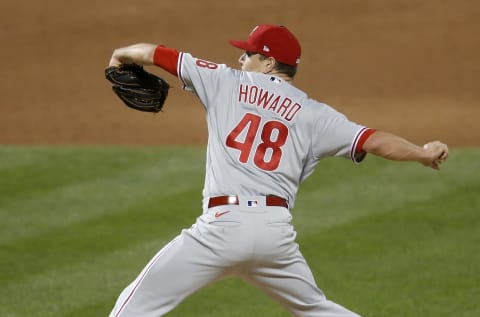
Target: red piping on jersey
179	70
141	277
364	135
166	58
358	154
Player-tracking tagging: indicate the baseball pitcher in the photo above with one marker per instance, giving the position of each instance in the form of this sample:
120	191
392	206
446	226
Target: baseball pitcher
265	136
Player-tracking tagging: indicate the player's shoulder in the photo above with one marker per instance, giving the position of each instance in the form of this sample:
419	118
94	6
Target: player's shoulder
326	110
320	113
204	64
260	83
313	104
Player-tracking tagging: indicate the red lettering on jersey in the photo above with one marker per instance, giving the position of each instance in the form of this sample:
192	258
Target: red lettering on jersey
262	99
293	111
274	147
284	107
243	94
274	104
253	94
273	134
250	123
206	64
285	104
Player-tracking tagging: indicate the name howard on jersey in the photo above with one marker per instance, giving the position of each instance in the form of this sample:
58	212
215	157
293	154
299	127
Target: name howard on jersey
259	97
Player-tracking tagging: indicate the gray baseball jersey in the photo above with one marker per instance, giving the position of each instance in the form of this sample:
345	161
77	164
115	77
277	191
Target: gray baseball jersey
265	138
265	135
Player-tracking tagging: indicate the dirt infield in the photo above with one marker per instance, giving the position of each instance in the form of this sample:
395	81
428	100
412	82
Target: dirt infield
406	66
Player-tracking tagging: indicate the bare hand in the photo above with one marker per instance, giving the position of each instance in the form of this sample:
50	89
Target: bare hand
435	153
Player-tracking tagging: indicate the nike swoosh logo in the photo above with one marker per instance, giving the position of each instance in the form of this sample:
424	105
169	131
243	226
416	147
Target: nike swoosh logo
219	214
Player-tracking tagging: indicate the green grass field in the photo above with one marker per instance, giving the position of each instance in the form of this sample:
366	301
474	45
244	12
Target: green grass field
77	224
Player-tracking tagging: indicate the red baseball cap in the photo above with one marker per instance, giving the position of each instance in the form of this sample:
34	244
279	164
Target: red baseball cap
273	41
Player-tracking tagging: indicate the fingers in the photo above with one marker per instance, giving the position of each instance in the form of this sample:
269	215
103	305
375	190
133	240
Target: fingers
436	164
117	58
437	153
120	56
443	156
114	62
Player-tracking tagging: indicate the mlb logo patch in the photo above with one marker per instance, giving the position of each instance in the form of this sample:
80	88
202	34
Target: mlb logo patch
252	203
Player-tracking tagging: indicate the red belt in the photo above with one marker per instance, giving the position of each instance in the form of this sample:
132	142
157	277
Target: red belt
233	200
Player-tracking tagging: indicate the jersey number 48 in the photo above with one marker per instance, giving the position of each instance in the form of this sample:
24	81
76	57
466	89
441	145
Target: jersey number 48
273	135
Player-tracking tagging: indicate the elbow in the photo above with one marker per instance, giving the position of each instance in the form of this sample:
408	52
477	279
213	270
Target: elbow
380	144
374	144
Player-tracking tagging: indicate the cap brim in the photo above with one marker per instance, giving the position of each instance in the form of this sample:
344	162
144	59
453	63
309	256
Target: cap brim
243	45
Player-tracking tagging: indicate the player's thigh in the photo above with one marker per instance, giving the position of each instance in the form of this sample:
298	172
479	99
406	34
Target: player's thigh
179	269
294	287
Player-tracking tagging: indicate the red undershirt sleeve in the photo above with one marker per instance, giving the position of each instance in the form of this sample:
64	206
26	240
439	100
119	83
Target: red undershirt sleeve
358	154
166	58
368	132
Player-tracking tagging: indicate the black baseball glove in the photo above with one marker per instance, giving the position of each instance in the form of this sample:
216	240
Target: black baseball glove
138	88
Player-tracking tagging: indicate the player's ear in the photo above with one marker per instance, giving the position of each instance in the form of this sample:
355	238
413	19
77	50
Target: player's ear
270	63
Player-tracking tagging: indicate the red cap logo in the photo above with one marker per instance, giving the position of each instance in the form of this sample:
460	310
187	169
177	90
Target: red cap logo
273	41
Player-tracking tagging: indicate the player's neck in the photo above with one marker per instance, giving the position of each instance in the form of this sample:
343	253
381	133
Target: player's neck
282	76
